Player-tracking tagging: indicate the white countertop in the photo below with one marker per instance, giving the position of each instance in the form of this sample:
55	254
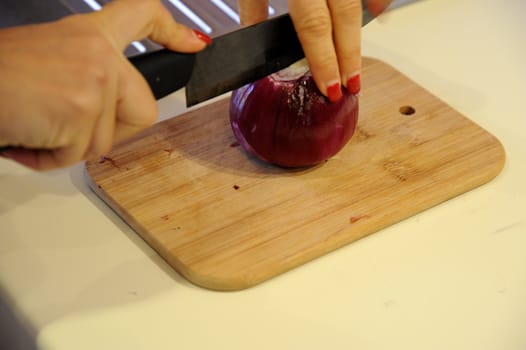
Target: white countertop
452	277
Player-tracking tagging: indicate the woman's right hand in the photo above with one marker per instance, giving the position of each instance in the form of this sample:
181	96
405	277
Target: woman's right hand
67	91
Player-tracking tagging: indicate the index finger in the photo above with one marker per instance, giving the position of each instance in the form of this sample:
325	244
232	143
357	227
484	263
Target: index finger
312	20
347	27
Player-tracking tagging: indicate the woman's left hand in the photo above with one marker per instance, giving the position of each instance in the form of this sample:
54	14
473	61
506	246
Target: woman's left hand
329	31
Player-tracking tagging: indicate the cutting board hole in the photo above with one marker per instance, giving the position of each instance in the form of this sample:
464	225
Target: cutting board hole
407	110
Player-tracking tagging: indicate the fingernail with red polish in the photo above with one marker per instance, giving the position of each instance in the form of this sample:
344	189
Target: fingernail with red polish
202	36
334	92
353	84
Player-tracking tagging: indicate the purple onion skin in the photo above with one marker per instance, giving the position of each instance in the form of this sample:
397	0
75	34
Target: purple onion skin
289	122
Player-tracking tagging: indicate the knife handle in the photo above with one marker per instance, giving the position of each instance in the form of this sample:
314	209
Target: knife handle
164	70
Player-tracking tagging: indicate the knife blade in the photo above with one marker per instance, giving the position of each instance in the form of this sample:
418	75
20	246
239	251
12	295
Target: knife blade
231	61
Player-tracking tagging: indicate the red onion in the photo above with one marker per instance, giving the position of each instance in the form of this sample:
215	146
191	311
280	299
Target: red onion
283	119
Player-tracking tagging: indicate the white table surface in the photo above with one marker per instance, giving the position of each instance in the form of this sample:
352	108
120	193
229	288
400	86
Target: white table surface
452	277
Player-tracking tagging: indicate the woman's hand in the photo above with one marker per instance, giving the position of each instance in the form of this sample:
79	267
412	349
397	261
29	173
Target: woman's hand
67	92
329	31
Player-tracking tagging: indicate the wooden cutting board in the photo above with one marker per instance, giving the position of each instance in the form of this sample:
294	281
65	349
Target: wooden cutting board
226	221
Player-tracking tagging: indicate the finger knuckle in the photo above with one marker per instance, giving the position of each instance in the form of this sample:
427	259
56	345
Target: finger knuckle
350	54
92	81
98	76
346	9
98	59
327	64
81	104
316	23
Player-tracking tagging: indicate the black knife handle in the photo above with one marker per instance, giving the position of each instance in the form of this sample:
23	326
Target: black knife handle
164	70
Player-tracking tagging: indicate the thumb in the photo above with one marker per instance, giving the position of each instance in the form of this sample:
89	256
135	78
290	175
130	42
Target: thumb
124	21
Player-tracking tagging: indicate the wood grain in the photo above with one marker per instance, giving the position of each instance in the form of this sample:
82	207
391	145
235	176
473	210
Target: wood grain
226	221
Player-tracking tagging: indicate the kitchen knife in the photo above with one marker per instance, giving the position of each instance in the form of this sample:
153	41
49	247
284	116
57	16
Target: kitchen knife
231	61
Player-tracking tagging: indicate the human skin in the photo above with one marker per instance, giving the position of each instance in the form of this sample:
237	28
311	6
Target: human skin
67	91
329	31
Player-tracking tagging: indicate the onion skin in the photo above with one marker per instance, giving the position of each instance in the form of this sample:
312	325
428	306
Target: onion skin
288	122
